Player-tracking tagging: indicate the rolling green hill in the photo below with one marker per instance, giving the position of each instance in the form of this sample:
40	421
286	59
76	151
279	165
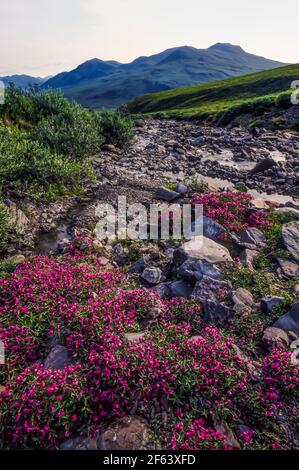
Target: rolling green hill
98	83
223	99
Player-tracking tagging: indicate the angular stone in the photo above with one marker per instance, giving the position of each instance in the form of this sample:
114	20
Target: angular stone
210	229
58	358
16	216
138	266
248	257
180	289
253	236
210	289
289	268
205	249
166	194
243	296
290	235
162	290
275	338
269	302
217	313
194	270
181	188
288	210
128	433
289	321
152	275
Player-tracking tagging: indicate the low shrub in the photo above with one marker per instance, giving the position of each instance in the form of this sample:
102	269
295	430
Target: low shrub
117	128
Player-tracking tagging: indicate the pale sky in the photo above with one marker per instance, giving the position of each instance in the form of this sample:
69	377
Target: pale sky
45	37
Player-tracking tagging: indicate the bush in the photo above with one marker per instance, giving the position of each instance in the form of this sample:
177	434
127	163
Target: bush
29	166
46	141
117	128
76	135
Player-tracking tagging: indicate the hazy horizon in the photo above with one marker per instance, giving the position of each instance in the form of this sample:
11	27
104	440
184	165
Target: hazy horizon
43	39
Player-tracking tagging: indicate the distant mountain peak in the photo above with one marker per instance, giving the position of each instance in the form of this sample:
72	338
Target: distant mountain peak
97	83
226	46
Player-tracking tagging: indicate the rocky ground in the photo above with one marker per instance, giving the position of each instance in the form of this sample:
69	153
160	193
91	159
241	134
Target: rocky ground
241	279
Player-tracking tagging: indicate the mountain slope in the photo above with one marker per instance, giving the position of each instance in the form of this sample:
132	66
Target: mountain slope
211	100
99	83
23	81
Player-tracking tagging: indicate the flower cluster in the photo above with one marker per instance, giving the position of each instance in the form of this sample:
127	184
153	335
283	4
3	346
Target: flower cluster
40	407
178	359
197	436
231	209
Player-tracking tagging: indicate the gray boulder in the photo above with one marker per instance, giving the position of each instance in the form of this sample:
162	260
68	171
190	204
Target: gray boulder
290	235
166	194
203	248
288	268
210	228
253	237
269	302
210	289
243	296
162	290
289	321
180	289
152	275
217	313
194	270
58	358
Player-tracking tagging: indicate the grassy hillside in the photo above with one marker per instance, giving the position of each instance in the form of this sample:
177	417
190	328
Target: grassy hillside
223	99
97	83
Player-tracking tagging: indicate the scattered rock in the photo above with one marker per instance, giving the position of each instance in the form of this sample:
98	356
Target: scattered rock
181	188
166	194
162	290
269	302
79	443
243	296
211	229
253	237
58	358
138	266
290	235
217	313
248	257
223	427
275	338
287	210
180	289
128	433
194	270
152	276
16	217
289	268
203	248
210	289
289	321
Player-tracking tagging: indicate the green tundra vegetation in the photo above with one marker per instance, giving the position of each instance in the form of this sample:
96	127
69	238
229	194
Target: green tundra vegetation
47	142
223	100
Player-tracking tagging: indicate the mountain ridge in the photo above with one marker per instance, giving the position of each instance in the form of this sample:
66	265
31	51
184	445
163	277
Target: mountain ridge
97	83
